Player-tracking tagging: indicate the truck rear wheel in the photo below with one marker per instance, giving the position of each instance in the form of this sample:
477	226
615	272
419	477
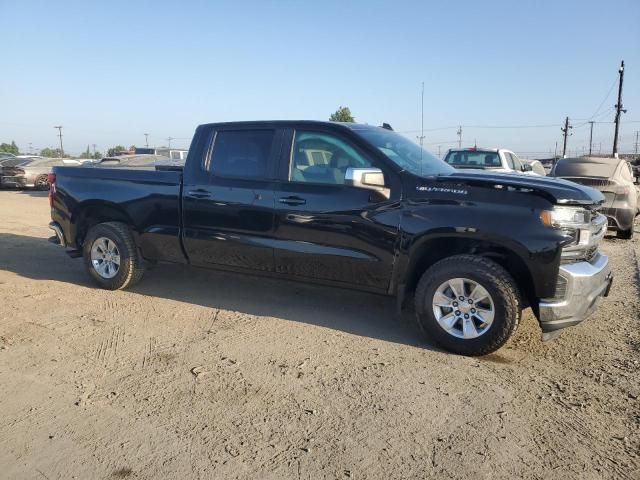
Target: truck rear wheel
468	304
111	256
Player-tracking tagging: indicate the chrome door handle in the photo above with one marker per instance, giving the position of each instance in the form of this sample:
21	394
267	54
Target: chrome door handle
198	193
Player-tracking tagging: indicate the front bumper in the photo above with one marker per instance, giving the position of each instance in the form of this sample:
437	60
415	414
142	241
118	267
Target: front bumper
586	283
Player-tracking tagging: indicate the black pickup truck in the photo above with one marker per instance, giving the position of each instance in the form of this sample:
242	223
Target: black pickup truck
353	206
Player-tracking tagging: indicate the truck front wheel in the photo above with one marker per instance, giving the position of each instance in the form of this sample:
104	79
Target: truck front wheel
468	304
111	256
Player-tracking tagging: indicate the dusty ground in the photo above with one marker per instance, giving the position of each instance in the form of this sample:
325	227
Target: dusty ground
196	374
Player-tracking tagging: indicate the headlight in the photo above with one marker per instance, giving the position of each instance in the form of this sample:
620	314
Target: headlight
574	223
561	217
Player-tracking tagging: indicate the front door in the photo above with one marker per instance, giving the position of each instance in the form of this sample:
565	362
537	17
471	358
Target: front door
229	207
326	230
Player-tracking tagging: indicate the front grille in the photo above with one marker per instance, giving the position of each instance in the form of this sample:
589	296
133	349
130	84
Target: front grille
590	253
561	290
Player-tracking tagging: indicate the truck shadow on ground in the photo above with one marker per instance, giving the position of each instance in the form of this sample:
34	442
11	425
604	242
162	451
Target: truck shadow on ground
362	314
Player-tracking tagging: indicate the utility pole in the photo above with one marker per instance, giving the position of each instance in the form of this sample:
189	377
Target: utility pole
59	127
555	152
619	109
636	145
459	133
565	131
169	139
94	149
440	146
591	136
31	148
146	140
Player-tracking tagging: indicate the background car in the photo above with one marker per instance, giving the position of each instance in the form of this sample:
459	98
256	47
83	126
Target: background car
29	173
498	160
614	178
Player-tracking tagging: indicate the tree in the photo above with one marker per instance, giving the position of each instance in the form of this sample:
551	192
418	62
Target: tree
132	148
115	150
97	155
9	148
343	114
51	152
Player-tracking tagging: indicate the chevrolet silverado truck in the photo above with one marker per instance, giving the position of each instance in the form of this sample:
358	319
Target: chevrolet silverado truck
351	206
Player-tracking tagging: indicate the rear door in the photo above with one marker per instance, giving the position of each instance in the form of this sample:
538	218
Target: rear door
228	200
326	230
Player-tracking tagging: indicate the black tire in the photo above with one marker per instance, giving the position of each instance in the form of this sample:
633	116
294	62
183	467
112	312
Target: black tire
131	266
625	234
498	283
41	182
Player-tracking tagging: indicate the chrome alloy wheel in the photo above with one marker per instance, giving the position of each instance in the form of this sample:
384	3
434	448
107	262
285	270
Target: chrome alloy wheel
463	308
105	257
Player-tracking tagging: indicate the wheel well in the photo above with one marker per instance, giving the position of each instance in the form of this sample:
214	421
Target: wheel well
437	249
92	215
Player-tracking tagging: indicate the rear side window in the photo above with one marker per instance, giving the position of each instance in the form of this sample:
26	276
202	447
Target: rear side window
517	165
242	153
473	159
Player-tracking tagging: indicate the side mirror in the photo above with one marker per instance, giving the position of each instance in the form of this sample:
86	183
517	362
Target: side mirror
526	167
367	178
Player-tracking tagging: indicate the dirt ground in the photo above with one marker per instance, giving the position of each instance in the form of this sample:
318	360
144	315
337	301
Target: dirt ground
197	374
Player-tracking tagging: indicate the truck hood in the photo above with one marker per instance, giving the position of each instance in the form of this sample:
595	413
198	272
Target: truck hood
555	189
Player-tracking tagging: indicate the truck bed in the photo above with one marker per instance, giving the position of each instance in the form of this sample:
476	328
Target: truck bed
147	199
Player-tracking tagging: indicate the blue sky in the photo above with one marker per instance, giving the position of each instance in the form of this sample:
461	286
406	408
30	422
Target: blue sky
111	71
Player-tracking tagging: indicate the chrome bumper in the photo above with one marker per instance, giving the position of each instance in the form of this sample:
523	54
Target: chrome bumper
586	283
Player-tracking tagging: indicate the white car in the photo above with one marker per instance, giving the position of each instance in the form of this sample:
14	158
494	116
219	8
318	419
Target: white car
494	159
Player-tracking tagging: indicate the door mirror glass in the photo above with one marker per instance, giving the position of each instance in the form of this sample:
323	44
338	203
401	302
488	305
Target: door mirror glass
367	178
526	167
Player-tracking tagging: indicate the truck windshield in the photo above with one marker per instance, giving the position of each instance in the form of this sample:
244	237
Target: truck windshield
403	152
473	159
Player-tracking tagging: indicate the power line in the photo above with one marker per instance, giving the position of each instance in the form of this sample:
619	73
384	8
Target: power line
604	99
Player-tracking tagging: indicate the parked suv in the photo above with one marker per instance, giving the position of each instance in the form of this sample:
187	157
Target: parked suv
352	206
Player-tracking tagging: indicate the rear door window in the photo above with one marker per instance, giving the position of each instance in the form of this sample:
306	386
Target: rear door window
242	153
509	159
473	159
517	164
